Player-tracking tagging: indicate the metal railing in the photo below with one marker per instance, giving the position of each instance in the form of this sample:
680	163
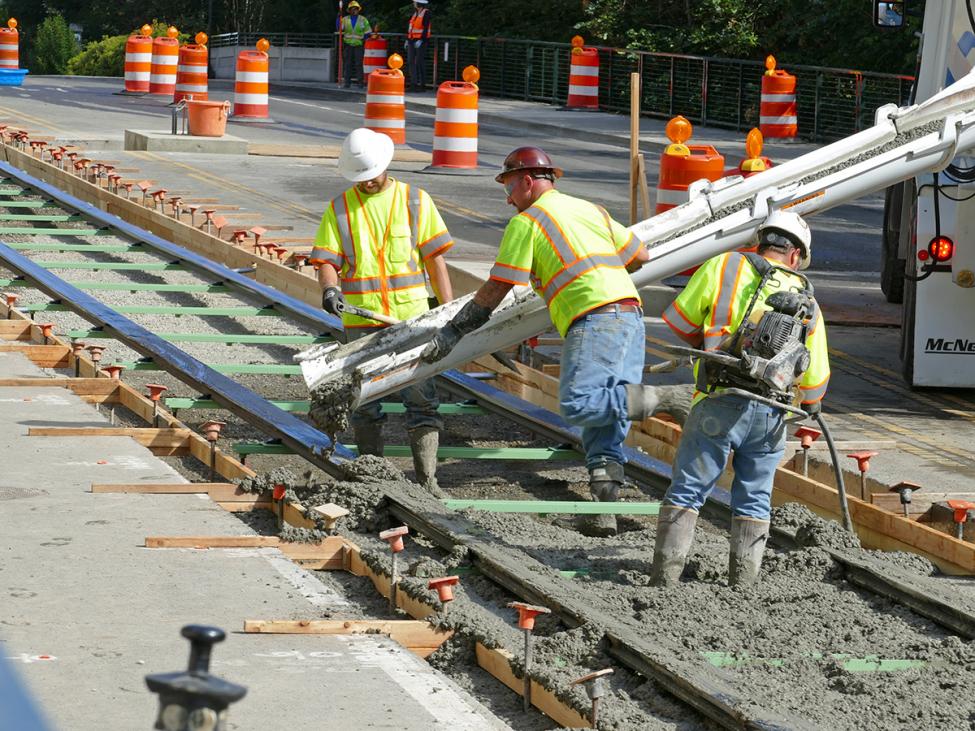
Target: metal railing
720	92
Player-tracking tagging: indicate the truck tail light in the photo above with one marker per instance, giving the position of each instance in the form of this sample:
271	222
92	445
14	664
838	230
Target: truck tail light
941	248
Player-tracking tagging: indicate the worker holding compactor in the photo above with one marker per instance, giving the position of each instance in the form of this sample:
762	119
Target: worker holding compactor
756	304
377	245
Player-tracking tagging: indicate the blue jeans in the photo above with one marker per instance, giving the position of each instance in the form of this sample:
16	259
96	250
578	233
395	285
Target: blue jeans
420	399
601	354
715	426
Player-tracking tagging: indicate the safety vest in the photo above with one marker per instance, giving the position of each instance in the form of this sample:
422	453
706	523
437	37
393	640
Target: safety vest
415	29
378	243
715	300
571	252
353	35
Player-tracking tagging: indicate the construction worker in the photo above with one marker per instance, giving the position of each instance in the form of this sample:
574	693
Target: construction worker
706	315
384	238
577	258
354	29
417	36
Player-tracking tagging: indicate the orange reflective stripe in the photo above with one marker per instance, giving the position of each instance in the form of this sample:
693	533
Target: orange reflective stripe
670	316
812	394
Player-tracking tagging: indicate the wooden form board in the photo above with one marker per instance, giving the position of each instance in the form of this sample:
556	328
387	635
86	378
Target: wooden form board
327	555
921	500
160	441
15	330
417	636
43	356
223	492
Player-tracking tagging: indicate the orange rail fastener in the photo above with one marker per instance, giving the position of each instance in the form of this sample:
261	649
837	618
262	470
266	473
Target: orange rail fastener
444	587
47	328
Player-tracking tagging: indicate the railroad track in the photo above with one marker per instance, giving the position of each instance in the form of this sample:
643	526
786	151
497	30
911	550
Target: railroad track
119	250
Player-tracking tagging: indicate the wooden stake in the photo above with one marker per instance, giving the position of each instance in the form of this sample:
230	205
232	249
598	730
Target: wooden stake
634	143
644	188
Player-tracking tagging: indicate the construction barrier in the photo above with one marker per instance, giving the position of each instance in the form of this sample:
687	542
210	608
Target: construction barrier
583	79
250	86
385	105
138	64
9	48
165	60
374	56
778	116
455	126
682	164
191	74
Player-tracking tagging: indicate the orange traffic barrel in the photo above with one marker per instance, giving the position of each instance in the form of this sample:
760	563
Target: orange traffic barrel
385	104
374	55
682	164
455	126
250	87
165	59
778	115
583	79
191	74
9	48
138	64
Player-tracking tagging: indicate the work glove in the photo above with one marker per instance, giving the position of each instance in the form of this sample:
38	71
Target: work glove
331	298
812	409
470	317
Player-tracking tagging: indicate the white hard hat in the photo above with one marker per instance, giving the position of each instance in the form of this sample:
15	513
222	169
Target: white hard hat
785	227
365	155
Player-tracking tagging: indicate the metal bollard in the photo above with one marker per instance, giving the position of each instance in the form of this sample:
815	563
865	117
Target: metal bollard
195	700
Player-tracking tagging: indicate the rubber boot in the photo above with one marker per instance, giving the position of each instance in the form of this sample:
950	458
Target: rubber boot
369	439
748	538
675	532
605	482
424	441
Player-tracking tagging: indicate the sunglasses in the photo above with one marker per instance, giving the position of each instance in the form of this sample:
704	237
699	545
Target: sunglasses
510	186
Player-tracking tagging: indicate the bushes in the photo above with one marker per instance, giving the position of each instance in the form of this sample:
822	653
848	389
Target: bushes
53	45
100	58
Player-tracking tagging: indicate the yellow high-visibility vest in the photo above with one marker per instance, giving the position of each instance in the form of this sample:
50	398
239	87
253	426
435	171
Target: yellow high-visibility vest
378	244
353	35
573	254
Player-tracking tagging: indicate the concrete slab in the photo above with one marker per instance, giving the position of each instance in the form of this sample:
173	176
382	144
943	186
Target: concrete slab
152	141
88	611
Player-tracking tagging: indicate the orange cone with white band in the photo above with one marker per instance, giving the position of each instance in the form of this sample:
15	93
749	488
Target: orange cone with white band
374	55
583	76
778	112
455	126
10	46
250	85
165	60
191	74
138	62
385	103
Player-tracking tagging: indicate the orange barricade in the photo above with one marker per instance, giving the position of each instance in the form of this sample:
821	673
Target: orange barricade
138	64
455	126
374	56
165	59
9	48
191	74
778	114
385	106
677	172
583	79
250	86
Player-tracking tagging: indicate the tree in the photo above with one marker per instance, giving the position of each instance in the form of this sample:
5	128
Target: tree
53	45
100	58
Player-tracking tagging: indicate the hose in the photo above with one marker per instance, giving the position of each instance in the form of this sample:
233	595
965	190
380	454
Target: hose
840	485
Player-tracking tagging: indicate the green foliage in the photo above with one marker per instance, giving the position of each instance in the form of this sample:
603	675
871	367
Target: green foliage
53	45
100	58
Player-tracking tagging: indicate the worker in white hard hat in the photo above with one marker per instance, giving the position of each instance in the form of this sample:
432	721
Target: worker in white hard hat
353	29
707	315
417	37
378	246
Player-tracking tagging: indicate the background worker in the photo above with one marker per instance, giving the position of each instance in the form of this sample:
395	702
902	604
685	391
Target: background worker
384	238
709	310
354	29
577	258
417	35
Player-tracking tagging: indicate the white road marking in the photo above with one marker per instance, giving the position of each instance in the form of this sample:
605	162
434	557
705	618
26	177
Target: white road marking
311	588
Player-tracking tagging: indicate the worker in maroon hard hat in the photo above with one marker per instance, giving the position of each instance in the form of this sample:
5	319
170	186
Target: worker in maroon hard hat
577	258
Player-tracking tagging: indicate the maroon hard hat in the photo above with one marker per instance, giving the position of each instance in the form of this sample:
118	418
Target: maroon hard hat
528	159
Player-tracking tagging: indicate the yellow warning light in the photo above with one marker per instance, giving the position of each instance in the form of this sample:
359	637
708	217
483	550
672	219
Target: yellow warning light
146	30
395	62
678	131
471	74
770	65
578	41
172	31
12	23
201	38
263	45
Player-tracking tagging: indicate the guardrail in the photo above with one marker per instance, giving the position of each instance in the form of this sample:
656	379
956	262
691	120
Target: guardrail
719	92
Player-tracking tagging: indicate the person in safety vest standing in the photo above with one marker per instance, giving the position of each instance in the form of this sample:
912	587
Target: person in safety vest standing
708	315
417	36
384	239
354	28
577	258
